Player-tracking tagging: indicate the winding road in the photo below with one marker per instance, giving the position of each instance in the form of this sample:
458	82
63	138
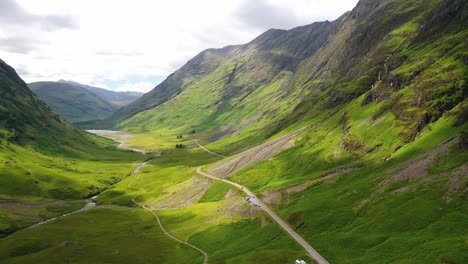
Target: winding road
258	203
253	199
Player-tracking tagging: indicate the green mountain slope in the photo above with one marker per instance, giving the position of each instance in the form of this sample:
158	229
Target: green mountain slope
74	103
25	119
376	174
46	164
196	68
379	176
382	49
117	98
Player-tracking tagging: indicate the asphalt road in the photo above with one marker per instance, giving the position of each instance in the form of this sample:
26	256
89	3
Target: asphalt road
256	201
253	199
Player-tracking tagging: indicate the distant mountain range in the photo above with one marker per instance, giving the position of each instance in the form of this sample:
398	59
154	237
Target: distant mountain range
117	98
44	156
81	104
353	131
25	119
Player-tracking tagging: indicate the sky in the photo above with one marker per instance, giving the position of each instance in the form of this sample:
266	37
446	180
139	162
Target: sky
132	45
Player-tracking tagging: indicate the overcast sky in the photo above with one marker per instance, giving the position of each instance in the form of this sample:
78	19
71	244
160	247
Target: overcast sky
134	44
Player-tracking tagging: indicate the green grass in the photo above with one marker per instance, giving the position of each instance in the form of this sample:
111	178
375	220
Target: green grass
249	241
29	178
382	90
423	223
18	212
210	217
216	192
173	167
97	236
27	172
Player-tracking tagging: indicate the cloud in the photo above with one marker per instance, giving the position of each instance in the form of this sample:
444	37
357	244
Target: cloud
121	43
111	53
11	13
263	15
19	44
22	70
23	32
142	87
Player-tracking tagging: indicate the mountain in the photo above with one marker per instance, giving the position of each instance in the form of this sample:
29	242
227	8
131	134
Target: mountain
46	164
73	102
117	98
199	66
375	51
354	131
24	118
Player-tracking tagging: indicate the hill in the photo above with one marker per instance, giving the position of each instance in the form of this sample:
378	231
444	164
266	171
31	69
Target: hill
285	77
117	98
353	131
73	102
25	118
378	172
47	165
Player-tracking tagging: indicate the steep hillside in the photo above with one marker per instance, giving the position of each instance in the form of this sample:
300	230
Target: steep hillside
378	172
409	54
117	98
25	119
46	164
201	65
74	103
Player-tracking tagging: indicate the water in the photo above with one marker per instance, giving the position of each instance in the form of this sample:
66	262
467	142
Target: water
103	132
120	139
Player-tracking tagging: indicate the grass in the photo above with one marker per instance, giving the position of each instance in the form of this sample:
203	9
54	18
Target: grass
38	185
97	236
249	241
170	179
422	223
18	212
28	172
381	91
216	192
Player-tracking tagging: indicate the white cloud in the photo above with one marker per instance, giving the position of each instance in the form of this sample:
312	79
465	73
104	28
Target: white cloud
89	41
137	87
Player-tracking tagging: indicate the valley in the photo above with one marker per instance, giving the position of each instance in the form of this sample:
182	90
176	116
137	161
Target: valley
341	141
